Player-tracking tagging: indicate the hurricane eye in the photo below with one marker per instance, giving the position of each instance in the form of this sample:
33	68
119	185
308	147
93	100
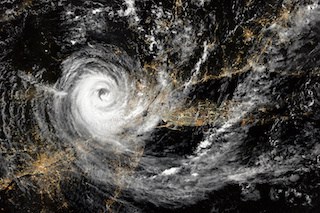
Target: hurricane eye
103	93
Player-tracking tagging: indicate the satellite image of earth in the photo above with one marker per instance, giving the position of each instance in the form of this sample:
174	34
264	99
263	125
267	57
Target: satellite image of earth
169	106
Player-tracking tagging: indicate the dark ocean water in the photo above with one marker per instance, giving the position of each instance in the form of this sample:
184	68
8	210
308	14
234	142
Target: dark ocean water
159	106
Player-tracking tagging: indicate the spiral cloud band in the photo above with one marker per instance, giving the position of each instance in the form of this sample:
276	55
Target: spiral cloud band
104	106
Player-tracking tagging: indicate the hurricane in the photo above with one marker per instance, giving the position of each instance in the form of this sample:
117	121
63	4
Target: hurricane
169	106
